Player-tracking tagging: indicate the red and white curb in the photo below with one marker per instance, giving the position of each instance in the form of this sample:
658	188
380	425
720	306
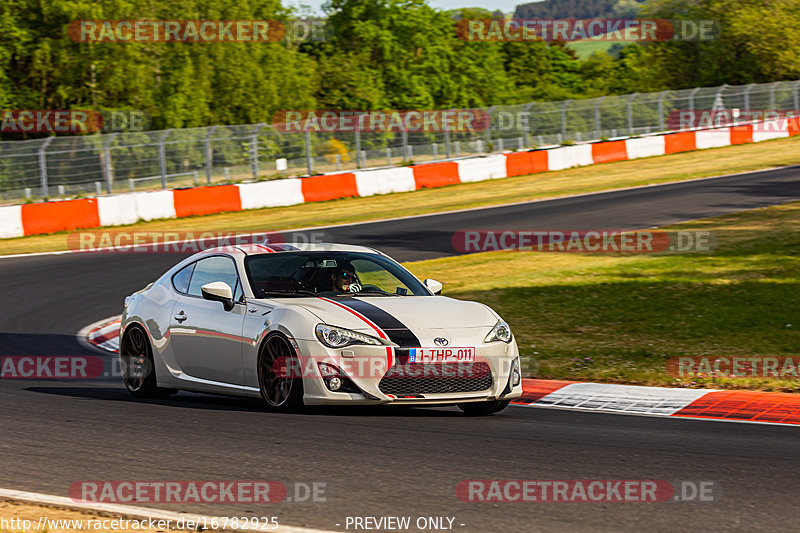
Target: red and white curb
103	334
707	404
141	513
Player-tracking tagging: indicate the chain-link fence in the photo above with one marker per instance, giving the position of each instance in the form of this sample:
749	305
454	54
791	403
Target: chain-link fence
119	162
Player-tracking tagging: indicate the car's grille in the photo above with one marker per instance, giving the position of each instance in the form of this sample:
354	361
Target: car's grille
412	378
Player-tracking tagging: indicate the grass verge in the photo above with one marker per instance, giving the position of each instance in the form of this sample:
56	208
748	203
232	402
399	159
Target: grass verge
660	169
616	318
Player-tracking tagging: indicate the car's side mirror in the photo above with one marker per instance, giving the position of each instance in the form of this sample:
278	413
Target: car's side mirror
434	286
218	291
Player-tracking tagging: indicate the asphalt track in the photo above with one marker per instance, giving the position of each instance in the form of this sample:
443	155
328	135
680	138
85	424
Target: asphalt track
385	461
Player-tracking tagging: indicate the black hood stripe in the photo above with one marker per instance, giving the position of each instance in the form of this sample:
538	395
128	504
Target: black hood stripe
397	332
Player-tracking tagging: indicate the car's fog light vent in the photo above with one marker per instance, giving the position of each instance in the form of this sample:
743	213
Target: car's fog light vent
334	380
446	378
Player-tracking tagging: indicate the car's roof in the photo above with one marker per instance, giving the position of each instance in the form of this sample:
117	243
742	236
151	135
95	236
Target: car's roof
272	247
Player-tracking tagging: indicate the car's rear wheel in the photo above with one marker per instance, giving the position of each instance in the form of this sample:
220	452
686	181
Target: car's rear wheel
138	369
278	369
483	408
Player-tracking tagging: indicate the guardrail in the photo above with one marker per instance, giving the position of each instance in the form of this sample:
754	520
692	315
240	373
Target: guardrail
163	179
112	210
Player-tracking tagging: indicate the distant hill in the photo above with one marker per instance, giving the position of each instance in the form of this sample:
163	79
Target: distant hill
581	9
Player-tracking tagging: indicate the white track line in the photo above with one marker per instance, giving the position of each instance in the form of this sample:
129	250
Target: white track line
409	217
135	512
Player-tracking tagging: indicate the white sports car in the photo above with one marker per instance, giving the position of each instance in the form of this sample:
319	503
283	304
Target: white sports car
314	324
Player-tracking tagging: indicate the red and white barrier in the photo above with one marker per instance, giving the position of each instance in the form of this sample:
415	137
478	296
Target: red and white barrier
50	217
774	129
274	193
11	221
385	181
645	146
713	138
482	168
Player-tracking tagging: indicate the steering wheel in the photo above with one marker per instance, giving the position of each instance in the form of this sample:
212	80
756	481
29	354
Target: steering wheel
371	288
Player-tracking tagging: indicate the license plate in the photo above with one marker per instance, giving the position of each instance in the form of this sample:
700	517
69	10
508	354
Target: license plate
442	355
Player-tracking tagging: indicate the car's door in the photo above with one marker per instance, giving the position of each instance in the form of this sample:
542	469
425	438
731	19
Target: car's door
206	339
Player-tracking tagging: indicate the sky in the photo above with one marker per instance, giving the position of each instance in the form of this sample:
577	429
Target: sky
506	6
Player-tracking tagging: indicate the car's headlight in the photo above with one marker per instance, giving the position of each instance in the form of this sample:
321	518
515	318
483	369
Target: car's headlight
334	337
500	332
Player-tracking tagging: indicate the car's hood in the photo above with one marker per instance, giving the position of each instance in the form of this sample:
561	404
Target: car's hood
426	317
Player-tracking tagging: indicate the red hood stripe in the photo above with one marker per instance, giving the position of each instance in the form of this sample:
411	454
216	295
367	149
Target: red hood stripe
379	331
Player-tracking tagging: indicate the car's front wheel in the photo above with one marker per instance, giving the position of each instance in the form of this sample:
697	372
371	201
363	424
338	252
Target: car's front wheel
483	408
138	369
278	369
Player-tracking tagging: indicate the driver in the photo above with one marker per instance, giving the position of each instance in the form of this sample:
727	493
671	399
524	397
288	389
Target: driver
344	278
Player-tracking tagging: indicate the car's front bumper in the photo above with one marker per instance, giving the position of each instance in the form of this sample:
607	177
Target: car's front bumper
366	366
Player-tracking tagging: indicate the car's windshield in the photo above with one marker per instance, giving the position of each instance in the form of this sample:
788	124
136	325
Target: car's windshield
329	274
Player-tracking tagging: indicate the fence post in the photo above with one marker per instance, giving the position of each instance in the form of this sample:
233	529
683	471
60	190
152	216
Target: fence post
564	118
597	103
107	159
718	98
661	125
209	159
309	160
489	127
691	98
527	114
796	96
772	88
747	97
388	156
358	139
358	147
162	158
43	166
405	145
254	148
630	112
447	136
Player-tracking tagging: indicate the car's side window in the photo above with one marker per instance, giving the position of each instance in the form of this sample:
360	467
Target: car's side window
180	281
210	269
